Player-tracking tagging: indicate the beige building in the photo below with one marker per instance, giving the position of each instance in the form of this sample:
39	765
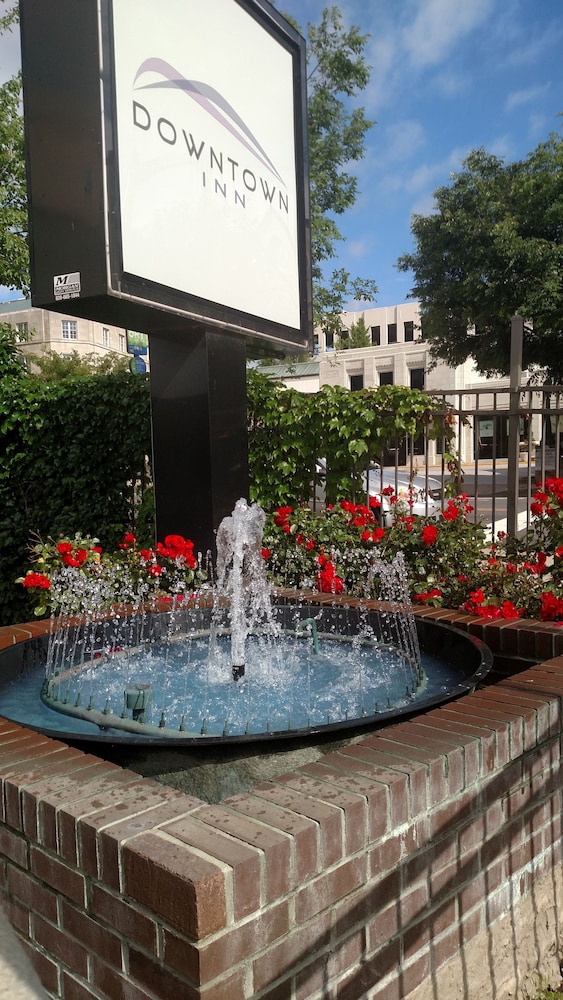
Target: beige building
41	331
397	356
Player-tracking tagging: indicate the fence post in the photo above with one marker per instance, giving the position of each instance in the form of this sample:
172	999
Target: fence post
513	471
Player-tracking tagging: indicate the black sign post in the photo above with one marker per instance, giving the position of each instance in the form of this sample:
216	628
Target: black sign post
198	397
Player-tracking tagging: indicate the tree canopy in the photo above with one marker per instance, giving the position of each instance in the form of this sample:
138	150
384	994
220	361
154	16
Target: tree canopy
493	249
52	366
337	74
14	254
12	361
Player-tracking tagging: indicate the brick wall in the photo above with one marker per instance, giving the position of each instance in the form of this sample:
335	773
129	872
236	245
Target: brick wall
367	873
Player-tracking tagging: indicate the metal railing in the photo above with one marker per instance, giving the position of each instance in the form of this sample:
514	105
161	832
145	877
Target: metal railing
506	442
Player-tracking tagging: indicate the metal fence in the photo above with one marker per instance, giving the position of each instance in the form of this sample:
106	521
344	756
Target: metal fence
506	442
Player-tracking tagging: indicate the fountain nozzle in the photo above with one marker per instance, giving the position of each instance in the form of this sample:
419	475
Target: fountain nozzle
238	671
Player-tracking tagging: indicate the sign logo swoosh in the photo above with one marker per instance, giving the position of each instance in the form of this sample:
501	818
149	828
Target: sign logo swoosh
211	100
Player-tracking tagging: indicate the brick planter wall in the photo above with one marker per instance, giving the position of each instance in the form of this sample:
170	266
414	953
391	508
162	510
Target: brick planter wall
416	861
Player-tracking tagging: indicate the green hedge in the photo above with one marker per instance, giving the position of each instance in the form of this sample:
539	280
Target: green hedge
72	456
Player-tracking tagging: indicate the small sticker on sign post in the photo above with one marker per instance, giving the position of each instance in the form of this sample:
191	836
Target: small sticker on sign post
66	286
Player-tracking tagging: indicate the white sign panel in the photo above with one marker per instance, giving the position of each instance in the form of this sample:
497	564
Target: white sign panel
206	154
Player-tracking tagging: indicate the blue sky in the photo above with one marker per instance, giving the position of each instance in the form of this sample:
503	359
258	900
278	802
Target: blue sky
447	77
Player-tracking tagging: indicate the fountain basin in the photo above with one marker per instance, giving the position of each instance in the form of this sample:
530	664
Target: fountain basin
352	641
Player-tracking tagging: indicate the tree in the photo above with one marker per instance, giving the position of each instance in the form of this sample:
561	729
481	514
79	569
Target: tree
493	249
10	18
337	73
12	361
14	254
53	366
357	336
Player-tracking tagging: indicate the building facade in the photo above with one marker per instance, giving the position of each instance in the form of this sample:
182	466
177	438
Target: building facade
41	331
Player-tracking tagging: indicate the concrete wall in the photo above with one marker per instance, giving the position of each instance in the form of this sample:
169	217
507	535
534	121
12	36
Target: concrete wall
420	862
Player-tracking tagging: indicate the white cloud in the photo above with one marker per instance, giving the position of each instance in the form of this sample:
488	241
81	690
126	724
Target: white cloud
519	97
356	249
451	83
402	140
438	27
529	49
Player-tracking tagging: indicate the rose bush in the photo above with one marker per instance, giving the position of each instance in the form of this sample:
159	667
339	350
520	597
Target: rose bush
448	561
70	572
350	537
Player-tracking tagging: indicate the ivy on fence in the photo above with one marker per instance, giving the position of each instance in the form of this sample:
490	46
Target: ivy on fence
289	431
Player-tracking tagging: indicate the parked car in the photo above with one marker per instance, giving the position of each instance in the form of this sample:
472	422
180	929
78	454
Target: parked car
419	495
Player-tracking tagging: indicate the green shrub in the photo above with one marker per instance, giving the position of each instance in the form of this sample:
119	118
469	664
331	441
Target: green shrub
73	452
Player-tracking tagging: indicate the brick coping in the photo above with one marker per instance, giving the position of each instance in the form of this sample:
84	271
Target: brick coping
368	867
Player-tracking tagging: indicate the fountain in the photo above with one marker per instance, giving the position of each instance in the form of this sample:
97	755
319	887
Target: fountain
231	666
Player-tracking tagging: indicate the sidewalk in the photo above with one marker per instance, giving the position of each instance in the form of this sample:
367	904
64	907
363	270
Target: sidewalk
18	979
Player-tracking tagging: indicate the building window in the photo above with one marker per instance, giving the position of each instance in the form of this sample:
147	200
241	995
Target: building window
69	329
391	333
376	336
22	331
386	378
409	331
417	378
105	337
356	382
122	342
329	340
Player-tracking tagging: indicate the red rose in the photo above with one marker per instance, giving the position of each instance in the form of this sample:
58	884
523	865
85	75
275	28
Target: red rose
429	534
281	516
36	580
451	512
328	582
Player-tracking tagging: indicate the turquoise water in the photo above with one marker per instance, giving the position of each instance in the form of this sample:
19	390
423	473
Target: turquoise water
286	686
